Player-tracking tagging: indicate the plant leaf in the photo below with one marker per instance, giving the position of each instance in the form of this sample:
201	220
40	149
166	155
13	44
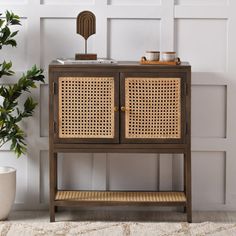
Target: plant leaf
14	33
11	42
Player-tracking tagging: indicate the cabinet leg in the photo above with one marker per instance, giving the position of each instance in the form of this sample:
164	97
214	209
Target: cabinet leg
53	183
189	215
56	208
188	186
52	214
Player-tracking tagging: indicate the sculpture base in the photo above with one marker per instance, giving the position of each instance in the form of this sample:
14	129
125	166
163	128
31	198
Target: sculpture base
79	56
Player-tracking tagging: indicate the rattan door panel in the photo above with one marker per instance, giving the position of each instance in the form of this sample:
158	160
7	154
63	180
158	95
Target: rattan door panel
87	109
154	109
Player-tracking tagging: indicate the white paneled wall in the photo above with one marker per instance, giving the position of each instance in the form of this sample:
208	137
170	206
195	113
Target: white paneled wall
200	31
207	41
133	171
133	36
202	2
208	178
209	107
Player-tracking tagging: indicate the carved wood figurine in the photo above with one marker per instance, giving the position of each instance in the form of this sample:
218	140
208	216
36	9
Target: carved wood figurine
86	26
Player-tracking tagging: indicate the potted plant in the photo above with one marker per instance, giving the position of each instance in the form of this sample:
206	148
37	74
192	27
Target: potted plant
12	112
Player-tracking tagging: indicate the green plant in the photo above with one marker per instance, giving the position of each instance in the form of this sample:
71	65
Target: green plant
11	113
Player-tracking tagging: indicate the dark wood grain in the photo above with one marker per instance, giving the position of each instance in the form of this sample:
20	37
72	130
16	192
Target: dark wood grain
52	155
86	24
79	56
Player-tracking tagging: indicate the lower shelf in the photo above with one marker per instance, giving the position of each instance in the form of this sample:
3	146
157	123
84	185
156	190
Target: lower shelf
119	197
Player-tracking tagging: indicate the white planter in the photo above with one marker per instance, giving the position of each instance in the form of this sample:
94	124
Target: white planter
7	190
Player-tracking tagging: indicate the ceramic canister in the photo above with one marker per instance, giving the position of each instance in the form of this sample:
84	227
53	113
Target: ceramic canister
168	56
152	55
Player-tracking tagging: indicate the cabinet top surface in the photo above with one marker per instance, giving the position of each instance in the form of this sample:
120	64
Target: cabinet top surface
118	65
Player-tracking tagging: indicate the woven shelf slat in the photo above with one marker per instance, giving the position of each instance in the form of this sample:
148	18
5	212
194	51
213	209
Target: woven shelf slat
95	196
153	108
86	107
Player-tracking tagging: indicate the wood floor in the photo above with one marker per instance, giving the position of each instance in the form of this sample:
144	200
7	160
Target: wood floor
121	215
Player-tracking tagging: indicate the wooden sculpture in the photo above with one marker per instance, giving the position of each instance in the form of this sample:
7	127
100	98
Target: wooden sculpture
86	26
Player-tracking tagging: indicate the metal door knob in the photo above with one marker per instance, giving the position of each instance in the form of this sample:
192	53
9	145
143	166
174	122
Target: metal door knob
123	109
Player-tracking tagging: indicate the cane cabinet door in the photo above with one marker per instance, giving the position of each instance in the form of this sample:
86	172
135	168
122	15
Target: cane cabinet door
87	107
153	107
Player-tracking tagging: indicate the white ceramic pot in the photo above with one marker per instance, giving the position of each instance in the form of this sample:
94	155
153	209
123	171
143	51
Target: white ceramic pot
168	56
7	190
152	55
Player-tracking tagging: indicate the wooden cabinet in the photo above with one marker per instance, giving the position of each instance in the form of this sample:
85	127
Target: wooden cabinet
124	107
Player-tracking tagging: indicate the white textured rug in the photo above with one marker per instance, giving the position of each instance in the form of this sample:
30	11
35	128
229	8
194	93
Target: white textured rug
116	229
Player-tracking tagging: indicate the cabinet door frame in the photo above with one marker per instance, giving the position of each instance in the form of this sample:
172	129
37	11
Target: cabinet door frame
54	76
184	117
